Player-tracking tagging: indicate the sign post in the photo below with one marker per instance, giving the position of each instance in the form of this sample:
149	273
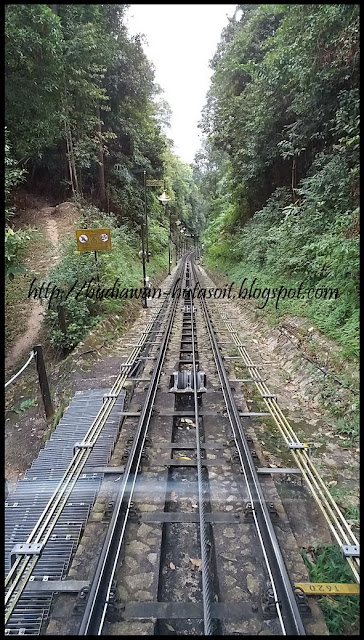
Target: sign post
145	214
148	183
155	183
93	240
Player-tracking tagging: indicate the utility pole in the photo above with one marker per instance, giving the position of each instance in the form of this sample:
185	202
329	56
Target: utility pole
143	262
164	198
145	214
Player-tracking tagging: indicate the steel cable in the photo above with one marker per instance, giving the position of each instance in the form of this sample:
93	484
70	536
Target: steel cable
66	485
206	586
339	527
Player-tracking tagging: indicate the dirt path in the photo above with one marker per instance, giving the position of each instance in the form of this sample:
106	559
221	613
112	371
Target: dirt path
28	339
53	222
52	230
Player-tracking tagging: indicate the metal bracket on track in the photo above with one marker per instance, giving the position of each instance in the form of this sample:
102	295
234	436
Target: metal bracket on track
25	549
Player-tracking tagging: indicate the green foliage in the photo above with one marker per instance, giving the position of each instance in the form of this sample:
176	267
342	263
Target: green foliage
122	265
341	612
81	314
13	176
348	426
84	112
280	164
16	243
186	202
84	116
33	55
352	513
24	405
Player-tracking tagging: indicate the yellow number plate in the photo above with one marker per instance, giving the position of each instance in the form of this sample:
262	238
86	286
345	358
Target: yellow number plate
324	588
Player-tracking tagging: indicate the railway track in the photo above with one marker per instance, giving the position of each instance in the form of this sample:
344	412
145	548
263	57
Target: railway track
182	536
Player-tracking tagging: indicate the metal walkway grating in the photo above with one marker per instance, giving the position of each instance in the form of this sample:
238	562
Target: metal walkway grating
26	503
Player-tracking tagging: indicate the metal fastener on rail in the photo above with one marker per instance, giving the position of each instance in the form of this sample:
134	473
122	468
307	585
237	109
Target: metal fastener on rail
110	395
351	550
300	445
82	445
25	549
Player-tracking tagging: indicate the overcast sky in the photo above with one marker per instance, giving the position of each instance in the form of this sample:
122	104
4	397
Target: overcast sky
182	38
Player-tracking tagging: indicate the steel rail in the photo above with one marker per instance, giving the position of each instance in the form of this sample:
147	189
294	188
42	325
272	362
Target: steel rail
63	490
338	526
286	604
206	585
23	566
101	586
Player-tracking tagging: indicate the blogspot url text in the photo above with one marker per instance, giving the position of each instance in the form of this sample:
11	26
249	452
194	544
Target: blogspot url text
93	290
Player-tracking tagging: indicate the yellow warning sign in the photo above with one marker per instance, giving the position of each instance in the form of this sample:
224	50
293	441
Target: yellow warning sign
154	183
325	588
93	239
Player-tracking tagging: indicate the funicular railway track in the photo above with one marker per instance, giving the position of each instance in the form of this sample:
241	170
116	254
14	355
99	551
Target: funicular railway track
187	494
27	554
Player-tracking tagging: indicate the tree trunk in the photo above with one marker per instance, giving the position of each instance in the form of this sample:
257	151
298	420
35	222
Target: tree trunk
72	156
71	162
65	164
101	170
293	180
54	8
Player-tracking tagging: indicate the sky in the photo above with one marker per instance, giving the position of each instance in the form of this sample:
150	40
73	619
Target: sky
181	38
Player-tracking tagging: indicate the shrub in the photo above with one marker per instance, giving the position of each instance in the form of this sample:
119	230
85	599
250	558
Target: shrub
122	262
16	243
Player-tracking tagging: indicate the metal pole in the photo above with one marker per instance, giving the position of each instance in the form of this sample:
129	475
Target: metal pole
97	268
43	380
143	261
169	242
146	215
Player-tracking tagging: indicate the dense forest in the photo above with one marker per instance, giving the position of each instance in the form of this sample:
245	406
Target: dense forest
276	179
280	162
84	120
272	203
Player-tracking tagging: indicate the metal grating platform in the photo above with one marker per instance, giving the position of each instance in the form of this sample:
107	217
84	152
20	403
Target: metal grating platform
31	494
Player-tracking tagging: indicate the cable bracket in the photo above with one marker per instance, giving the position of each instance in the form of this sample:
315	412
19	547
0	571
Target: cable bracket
351	550
25	549
82	445
300	445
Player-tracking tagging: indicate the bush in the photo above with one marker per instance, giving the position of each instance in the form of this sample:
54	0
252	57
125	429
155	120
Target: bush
15	247
122	262
80	314
15	241
315	240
